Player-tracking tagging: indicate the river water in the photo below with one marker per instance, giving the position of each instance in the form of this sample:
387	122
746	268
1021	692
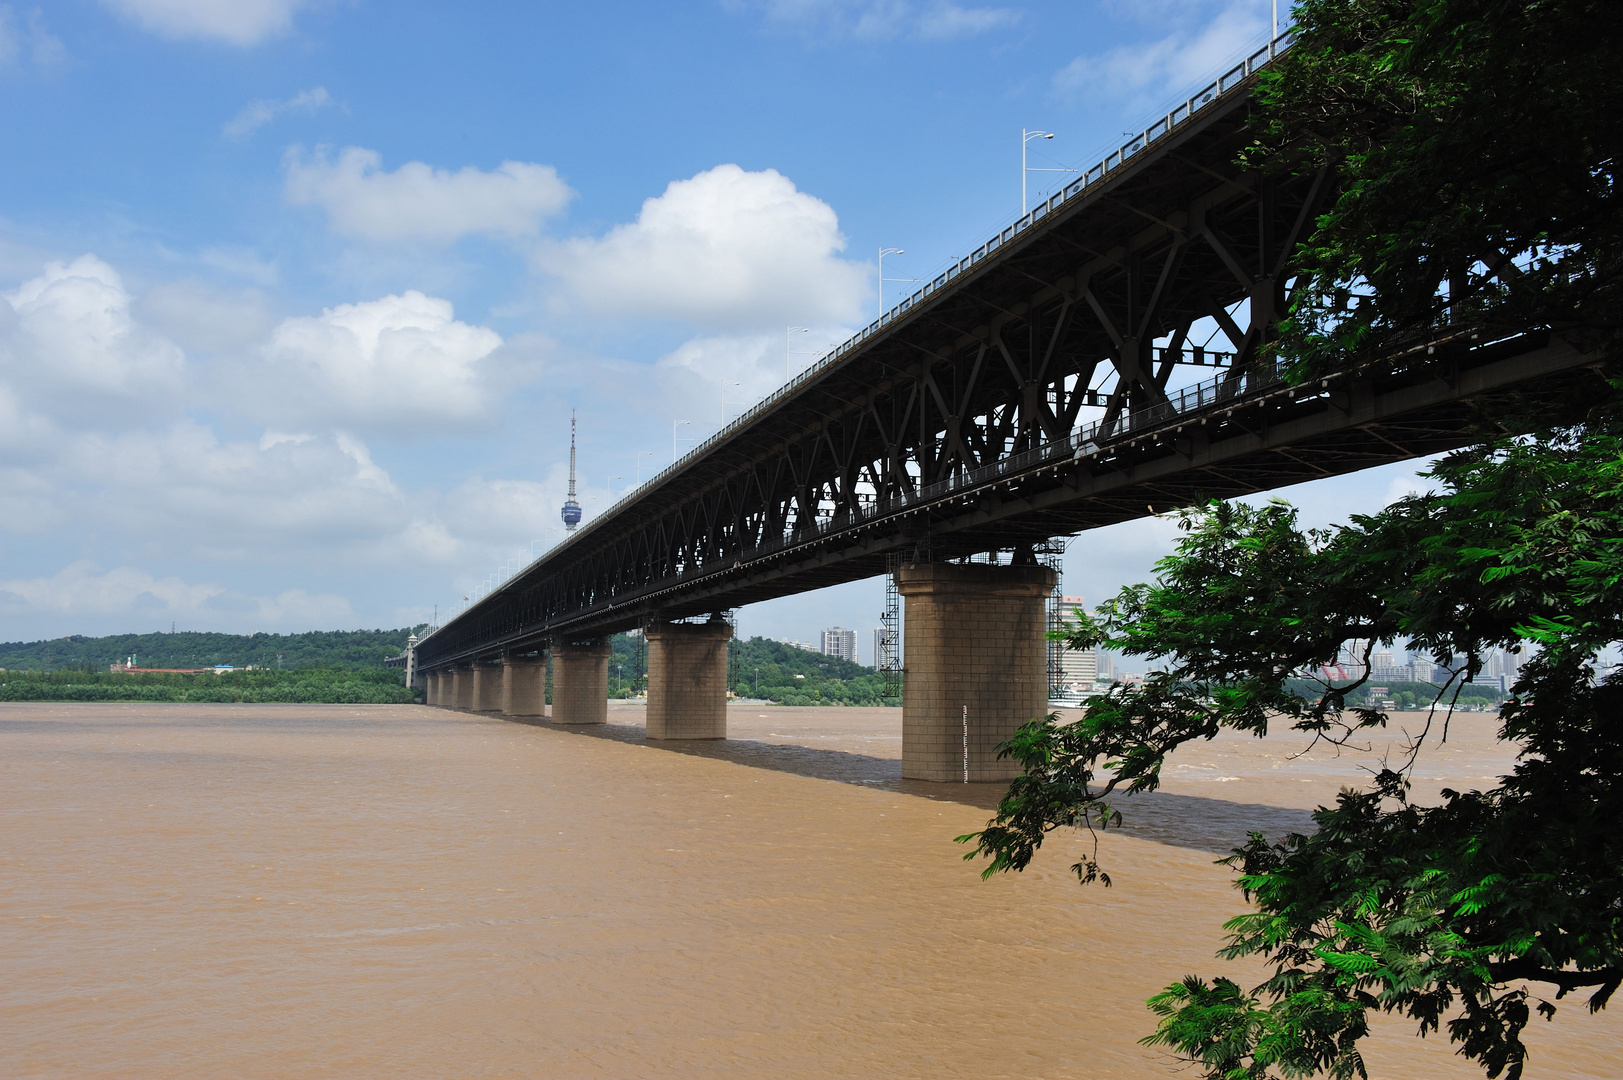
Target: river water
370	891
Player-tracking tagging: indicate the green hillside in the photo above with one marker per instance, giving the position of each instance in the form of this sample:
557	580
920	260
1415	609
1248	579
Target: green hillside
352	649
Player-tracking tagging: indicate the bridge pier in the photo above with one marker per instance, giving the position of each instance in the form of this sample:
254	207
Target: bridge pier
431	687
524	685
687	680
580	683
487	688
974	640
462	689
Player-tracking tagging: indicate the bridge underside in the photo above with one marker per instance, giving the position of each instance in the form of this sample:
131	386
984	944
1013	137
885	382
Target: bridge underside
1033	391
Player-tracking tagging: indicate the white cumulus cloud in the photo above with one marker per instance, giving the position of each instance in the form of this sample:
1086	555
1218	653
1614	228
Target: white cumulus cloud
236	22
261	111
725	248
68	338
418	202
398	364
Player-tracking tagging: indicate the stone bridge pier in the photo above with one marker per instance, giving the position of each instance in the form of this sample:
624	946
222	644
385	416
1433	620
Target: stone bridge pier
524	685
580	683
461	689
687	680
487	687
974	641
431	688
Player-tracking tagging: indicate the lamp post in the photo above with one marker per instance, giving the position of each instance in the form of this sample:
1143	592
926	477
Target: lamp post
640	455
882	253
725	384
674	425
788	338
1026	137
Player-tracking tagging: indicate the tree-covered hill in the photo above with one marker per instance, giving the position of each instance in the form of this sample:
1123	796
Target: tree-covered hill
760	668
318	648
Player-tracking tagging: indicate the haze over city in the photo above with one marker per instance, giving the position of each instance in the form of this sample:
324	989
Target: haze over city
296	299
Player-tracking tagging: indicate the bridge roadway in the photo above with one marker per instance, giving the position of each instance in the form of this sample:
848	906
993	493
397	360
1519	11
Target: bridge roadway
1031	391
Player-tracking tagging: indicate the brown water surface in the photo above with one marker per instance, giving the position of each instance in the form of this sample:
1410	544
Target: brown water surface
332	891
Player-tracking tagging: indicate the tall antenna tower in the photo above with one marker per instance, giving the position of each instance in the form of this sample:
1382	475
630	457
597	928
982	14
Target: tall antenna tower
571	507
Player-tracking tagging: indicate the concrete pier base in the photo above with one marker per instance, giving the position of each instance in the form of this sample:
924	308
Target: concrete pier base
524	686
687	680
580	683
461	689
431	695
974	640
487	688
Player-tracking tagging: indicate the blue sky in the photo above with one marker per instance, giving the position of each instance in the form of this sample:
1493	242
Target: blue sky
296	297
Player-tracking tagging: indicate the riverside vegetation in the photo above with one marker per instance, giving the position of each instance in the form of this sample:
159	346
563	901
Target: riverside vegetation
320	667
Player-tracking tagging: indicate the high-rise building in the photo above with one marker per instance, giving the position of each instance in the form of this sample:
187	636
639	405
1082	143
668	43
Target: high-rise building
881	640
1078	668
838	641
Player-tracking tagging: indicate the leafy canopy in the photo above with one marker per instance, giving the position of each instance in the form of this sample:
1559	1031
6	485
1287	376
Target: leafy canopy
1437	913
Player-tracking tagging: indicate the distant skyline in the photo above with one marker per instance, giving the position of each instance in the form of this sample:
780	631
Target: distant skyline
296	298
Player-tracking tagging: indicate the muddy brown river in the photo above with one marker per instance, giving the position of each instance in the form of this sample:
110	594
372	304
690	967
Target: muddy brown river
377	891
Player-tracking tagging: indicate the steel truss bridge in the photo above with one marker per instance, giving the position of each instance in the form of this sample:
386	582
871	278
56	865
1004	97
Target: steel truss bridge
1032	391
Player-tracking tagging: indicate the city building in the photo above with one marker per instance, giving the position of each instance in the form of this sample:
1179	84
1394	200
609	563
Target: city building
1078	668
880	640
838	641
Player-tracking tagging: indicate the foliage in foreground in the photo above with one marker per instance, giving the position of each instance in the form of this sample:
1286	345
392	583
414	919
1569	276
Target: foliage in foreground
1443	913
1475	145
328	685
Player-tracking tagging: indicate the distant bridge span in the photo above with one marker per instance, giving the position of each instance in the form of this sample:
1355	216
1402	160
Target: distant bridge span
1020	396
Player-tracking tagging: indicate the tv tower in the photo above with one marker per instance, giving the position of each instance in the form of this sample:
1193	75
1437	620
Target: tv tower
571	507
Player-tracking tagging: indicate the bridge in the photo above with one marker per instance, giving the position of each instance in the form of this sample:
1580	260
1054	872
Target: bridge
1048	383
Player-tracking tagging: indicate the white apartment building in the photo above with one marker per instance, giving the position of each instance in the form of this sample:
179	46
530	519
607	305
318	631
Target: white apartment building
1078	669
838	641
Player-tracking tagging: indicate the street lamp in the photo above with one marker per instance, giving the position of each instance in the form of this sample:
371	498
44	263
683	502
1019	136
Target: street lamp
882	253
640	454
724	385
674	425
1026	137
787	339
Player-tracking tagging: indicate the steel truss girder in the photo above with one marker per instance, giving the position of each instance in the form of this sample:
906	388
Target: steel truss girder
1062	324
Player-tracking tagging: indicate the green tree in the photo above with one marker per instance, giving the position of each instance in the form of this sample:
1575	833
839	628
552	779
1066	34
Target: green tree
1434	912
1475	146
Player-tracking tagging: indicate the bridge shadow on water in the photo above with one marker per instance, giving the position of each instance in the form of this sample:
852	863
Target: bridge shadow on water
1189	821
